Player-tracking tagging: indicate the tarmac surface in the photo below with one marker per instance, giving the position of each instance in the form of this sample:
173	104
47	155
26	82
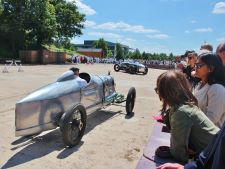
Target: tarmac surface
111	141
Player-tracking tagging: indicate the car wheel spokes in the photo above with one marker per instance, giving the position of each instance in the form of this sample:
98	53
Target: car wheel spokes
73	125
76	125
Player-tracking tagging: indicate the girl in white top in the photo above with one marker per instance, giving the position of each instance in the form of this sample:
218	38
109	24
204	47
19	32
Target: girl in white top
210	92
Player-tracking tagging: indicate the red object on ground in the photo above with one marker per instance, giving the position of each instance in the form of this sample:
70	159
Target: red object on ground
158	118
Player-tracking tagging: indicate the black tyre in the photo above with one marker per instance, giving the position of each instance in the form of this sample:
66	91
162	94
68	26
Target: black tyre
127	69
116	67
146	70
132	70
130	101
73	125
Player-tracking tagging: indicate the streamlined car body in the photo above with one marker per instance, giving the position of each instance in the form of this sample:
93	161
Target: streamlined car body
131	67
66	104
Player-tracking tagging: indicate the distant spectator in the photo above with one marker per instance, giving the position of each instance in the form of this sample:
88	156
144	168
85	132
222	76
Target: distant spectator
74	59
220	51
210	92
207	46
191	59
180	64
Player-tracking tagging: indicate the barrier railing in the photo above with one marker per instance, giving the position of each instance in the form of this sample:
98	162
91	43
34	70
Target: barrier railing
10	63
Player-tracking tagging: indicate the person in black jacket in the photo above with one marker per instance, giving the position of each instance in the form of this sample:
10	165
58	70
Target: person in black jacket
191	59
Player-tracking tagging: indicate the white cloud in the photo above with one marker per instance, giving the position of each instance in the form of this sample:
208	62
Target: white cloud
89	23
113	37
219	8
158	36
187	31
105	35
155	49
203	30
85	8
125	27
120	26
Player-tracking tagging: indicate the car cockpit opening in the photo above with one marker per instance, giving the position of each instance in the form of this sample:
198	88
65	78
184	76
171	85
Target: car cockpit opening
85	76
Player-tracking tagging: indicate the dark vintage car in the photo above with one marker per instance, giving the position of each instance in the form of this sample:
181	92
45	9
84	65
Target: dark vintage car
131	67
66	105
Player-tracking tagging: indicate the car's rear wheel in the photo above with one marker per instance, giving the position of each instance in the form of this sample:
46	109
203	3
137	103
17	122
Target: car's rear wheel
116	67
146	70
73	125
130	101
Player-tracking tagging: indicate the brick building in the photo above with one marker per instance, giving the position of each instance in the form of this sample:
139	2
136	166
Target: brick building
91	52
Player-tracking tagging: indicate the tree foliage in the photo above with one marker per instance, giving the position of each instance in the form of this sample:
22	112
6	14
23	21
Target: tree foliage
136	54
28	24
71	21
109	54
101	43
119	51
150	56
1	7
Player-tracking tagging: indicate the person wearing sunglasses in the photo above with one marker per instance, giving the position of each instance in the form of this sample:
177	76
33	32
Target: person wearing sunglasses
210	92
191	59
190	128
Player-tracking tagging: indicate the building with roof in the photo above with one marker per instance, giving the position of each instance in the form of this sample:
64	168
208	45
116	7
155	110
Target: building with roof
92	52
88	44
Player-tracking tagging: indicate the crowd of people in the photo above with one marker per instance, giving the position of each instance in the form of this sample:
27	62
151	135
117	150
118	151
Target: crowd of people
89	59
193	107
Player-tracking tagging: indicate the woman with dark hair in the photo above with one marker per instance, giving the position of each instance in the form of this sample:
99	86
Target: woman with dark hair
210	92
190	128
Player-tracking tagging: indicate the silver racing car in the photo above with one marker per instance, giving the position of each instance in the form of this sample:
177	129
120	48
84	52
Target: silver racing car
66	105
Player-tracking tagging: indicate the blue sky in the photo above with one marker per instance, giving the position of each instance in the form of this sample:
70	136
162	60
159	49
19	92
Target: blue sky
160	26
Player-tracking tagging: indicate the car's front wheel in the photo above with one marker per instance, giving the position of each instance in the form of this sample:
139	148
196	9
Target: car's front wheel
116	67
73	125
130	101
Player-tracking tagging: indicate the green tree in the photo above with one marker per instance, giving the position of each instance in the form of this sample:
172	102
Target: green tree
42	24
30	24
12	24
1	7
162	56
109	54
144	56
129	56
101	43
171	56
119	52
69	20
136	54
